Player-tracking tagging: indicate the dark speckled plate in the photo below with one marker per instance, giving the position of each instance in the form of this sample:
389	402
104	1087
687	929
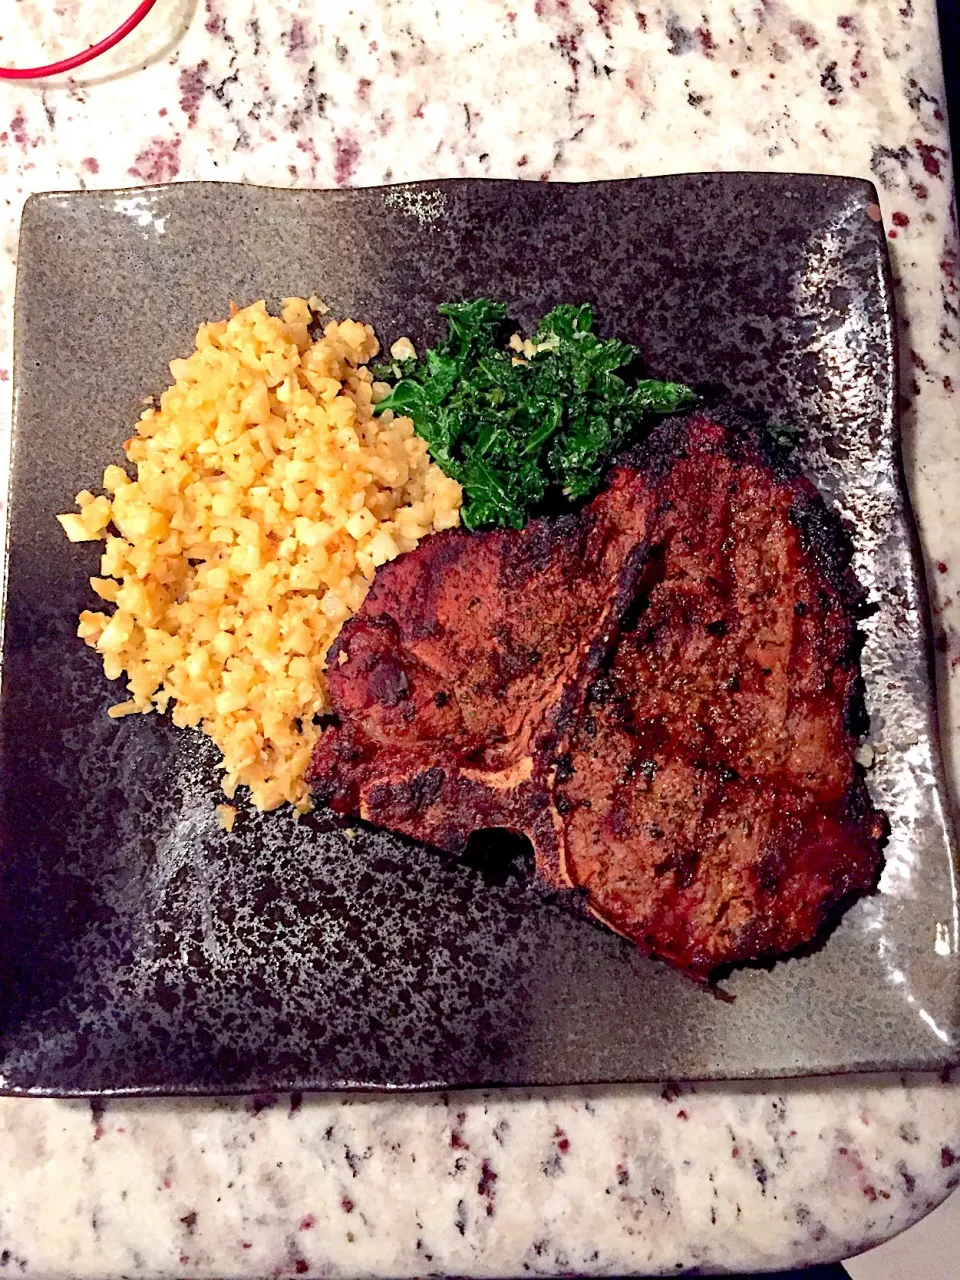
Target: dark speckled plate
144	951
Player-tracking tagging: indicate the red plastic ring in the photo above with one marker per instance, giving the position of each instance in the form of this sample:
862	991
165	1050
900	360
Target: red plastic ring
88	55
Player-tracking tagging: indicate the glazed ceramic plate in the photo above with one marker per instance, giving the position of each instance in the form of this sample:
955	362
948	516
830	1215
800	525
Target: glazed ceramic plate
145	951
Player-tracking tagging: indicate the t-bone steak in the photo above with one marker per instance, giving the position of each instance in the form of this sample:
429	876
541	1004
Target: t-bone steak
660	691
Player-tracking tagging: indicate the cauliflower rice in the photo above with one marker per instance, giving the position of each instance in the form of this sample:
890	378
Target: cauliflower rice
266	495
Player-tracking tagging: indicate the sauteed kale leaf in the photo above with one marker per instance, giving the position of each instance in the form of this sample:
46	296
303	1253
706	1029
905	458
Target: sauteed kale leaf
516	422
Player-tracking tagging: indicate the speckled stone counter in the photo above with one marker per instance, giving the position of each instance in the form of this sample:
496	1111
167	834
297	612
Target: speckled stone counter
615	1181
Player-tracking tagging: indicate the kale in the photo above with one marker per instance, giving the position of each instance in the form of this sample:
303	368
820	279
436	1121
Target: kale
518	427
785	437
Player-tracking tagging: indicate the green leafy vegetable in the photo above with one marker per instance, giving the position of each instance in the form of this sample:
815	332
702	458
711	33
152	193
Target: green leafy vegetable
518	425
786	437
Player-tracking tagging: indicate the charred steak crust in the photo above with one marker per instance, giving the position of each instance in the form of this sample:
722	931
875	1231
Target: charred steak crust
661	692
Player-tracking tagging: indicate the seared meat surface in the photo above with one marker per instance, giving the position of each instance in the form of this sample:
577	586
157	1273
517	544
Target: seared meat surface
659	691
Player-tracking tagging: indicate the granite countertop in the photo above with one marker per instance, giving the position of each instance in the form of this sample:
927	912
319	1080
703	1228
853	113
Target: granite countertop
607	1180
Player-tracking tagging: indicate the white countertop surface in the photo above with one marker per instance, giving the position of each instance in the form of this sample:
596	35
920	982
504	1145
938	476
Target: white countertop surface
607	1180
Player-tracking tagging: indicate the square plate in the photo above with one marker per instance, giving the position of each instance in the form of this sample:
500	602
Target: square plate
145	951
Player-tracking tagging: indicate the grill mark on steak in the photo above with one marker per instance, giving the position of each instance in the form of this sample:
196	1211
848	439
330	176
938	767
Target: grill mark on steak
661	692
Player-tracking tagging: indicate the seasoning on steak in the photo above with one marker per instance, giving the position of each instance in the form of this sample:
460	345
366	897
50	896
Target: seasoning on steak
659	691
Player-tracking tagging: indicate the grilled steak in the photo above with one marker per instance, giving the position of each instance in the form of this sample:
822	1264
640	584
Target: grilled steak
659	691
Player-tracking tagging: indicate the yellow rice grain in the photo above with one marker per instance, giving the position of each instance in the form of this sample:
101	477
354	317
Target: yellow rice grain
266	496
